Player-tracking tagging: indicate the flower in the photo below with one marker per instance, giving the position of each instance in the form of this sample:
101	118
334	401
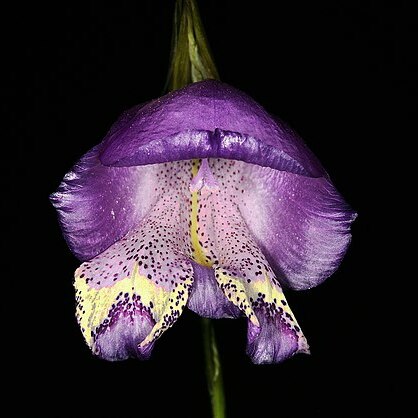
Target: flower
200	199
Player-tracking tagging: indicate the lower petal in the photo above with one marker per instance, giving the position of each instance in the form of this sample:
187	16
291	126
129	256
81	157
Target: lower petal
123	321
206	298
273	332
274	340
135	290
246	279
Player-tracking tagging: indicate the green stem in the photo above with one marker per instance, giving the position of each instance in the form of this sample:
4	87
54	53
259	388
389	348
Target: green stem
191	59
213	370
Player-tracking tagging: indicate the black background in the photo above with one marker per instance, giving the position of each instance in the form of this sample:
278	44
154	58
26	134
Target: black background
338	72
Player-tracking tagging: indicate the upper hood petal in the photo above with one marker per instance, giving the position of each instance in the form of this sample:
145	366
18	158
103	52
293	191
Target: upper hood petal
202	120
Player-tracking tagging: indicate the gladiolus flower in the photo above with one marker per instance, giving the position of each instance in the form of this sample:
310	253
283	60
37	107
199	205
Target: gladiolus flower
200	199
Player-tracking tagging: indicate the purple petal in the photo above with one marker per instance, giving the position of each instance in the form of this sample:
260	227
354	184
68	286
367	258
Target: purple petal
302	224
206	298
119	338
98	205
207	119
241	270
135	290
274	341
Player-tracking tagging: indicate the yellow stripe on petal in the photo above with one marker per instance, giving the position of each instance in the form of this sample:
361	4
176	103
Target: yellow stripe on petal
197	250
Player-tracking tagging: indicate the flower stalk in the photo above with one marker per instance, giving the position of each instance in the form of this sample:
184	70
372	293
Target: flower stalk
192	61
213	370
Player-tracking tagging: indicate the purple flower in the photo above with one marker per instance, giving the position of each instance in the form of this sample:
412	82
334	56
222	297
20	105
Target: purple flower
200	199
